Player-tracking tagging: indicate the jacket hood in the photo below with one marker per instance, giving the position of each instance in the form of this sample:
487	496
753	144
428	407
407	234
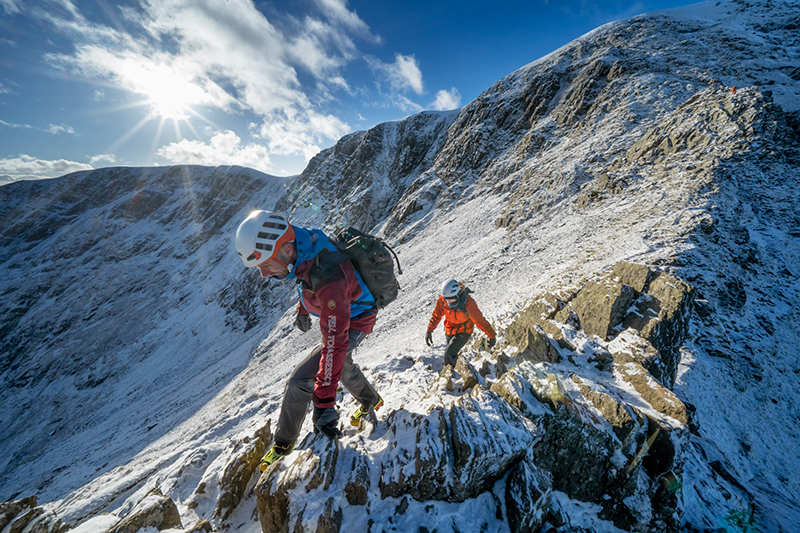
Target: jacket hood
309	243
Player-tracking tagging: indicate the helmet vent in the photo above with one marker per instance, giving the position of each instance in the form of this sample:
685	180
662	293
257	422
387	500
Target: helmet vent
262	246
268	236
274	225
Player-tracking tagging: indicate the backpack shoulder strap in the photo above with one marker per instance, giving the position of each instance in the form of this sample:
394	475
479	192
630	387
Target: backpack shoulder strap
323	271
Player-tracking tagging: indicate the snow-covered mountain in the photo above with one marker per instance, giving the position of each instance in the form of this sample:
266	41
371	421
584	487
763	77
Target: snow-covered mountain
138	354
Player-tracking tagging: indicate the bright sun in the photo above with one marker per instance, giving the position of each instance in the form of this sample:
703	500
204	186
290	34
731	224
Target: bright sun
169	94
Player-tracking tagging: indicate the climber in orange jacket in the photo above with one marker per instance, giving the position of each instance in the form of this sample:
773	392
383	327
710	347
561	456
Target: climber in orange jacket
461	315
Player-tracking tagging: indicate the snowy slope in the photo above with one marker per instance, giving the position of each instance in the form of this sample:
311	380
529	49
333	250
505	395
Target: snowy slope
625	144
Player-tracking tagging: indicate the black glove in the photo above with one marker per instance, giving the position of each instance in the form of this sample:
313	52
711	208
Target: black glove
303	322
429	338
492	342
326	421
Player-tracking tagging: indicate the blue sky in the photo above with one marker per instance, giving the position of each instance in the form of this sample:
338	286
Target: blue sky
264	84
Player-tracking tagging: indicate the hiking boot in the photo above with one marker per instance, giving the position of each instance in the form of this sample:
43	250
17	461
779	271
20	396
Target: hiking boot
274	453
361	412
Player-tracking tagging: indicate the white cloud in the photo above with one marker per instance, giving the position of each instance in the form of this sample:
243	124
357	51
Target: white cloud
4	89
304	133
111	158
14	125
28	167
338	12
447	100
227	55
405	104
404	73
61	128
11	6
224	148
52	128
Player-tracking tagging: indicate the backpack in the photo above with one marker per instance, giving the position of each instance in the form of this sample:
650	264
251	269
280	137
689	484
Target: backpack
372	259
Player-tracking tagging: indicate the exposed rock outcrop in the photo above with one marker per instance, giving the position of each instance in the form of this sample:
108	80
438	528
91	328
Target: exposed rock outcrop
546	424
21	515
240	470
155	510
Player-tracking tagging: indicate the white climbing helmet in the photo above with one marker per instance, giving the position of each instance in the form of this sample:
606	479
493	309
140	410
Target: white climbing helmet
261	235
451	288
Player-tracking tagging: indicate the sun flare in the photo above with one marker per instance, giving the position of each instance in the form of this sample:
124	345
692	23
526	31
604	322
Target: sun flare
168	94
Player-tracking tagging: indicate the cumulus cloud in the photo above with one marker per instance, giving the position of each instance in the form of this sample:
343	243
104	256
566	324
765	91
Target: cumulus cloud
111	158
28	167
191	57
403	74
447	100
226	54
299	134
224	148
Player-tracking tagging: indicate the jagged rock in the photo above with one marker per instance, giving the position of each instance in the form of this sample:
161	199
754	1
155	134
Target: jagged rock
578	456
330	521
540	309
469	375
537	347
630	347
662	399
668	329
633	275
155	510
21	515
201	526
358	484
488	436
503	364
515	388
23	519
11	508
450	378
624	419
45	522
528	491
417	467
313	468
239	470
601	305
567	315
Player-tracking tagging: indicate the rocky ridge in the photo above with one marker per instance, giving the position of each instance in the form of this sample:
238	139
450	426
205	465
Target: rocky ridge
556	408
608	149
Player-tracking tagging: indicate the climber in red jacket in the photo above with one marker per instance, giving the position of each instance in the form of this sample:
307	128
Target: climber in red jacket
461	315
331	290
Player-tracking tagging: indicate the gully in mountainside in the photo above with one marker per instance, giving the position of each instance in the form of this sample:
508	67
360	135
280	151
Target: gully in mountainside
335	292
461	315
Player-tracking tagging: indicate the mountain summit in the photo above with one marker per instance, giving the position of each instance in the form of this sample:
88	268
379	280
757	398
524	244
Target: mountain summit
625	210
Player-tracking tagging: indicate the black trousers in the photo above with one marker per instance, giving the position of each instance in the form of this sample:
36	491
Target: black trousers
454	345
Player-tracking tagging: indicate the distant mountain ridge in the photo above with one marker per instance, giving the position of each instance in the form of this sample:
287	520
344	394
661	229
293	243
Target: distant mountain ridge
629	144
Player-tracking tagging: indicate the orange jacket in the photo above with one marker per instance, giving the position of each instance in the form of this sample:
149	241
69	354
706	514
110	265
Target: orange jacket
461	321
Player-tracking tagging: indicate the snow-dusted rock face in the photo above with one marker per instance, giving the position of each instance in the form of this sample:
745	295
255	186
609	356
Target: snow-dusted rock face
594	426
96	267
134	342
359	181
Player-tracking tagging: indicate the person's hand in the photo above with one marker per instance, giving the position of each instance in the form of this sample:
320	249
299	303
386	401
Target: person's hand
429	338
303	322
492	342
326	421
